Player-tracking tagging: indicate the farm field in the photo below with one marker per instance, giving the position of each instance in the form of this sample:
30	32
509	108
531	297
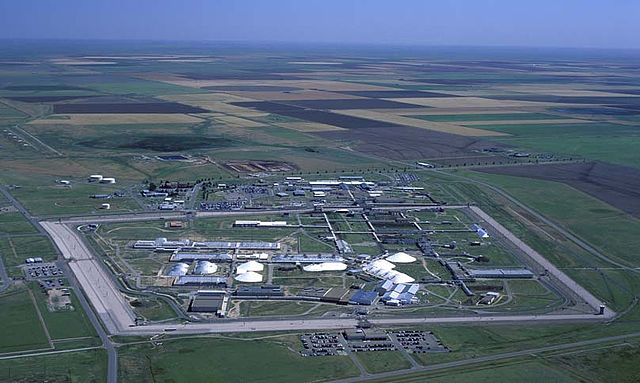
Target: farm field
190	130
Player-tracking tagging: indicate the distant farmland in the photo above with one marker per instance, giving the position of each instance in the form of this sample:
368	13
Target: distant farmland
116	108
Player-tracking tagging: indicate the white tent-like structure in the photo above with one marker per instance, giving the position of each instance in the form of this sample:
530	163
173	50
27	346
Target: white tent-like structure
402	278
251	266
401	257
384	269
326	266
249	277
382	264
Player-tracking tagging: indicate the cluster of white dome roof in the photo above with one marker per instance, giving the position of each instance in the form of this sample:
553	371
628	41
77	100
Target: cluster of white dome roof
248	272
325	266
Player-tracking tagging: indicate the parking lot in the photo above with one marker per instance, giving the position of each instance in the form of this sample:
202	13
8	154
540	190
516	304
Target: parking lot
349	341
416	341
42	270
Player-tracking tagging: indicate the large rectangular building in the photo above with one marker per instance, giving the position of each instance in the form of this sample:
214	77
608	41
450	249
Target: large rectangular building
519	273
199	280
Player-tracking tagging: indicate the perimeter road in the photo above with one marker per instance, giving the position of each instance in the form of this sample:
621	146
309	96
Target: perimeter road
118	317
542	261
112	356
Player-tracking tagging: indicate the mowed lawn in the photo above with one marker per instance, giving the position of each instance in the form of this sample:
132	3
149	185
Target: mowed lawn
21	328
223	360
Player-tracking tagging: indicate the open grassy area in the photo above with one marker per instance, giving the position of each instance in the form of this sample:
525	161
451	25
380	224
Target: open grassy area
15	223
64	323
228	360
618	362
585	216
266	308
605	227
75	367
381	361
600	141
620	149
153	309
528	372
14	251
21	327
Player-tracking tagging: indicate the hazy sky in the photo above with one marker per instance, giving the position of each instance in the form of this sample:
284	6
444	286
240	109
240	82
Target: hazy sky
571	23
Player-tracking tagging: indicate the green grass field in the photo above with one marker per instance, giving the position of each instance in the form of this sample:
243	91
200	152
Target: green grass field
75	367
621	149
67	323
265	308
528	372
228	360
21	328
14	251
15	223
381	361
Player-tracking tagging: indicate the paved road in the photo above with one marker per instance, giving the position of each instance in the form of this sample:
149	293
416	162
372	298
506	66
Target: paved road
102	292
490	358
118	317
112	357
542	261
146	216
34	354
583	244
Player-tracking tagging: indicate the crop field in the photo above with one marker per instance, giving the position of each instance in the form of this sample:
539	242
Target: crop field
615	185
113	118
108	108
485	117
548	146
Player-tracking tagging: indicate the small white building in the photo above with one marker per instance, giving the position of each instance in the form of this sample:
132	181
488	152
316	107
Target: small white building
105	206
108	180
95	178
